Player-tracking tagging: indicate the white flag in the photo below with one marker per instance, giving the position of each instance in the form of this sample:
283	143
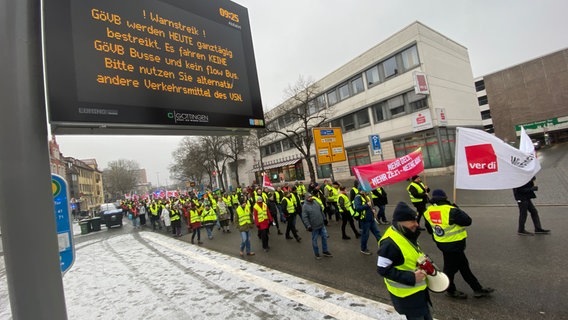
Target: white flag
485	162
526	145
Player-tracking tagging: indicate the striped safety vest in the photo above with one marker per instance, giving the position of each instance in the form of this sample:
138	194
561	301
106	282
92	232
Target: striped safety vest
411	254
439	219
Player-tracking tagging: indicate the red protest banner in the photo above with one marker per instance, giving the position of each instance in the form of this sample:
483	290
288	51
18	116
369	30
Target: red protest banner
388	172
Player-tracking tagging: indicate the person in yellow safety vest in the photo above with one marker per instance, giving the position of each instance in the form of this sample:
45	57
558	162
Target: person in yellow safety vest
447	222
380	200
265	194
259	193
175	218
301	190
235	200
347	212
398	253
197	204
262	220
155	210
363	205
195	223
229	202
354	191
331	193
418	193
209	219
290	212
215	206
244	225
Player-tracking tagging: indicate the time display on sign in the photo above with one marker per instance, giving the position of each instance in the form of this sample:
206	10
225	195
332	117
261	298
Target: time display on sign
147	63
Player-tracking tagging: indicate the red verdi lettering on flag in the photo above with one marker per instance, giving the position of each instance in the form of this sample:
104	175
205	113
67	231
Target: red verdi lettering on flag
481	159
389	172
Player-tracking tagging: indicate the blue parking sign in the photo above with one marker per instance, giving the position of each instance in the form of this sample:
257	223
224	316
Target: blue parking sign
63	222
375	142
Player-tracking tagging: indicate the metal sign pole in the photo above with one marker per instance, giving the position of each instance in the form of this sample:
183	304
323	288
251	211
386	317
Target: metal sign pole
29	235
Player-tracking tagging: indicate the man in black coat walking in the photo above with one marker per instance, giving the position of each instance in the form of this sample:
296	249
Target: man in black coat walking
523	195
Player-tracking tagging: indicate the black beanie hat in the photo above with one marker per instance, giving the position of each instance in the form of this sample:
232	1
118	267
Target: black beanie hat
403	212
439	194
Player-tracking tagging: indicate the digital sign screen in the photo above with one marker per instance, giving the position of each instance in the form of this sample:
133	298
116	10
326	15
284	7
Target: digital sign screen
148	64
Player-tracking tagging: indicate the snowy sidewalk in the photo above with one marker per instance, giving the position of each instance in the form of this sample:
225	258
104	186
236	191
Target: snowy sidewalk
144	275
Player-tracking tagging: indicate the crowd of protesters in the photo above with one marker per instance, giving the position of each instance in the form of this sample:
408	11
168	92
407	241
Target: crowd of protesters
254	207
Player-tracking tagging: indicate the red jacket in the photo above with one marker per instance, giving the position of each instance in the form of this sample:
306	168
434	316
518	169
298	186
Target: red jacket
263	224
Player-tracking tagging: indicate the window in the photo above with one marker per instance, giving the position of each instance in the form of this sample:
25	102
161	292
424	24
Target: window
416	101
389	67
396	105
372	75
358	156
332	97
272	148
357	85
482	100
410	58
312	107
286	145
324	171
434	154
378	112
272	126
320	102
343	92
336	123
349	122
479	85
485	115
362	118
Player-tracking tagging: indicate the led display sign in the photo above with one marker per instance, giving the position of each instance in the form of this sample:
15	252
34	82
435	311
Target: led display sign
139	66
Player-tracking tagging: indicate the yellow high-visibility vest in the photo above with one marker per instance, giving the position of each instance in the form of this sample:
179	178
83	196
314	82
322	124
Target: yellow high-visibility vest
439	219
411	255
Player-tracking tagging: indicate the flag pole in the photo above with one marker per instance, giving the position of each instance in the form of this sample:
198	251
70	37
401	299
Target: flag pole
455	163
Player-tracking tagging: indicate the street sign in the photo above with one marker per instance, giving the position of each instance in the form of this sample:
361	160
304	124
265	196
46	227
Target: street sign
63	222
375	142
163	67
329	145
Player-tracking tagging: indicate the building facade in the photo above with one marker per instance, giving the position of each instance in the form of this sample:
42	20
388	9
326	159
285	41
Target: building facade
533	94
83	177
413	89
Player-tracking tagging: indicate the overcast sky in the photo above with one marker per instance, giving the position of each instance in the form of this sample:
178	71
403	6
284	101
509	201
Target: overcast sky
312	38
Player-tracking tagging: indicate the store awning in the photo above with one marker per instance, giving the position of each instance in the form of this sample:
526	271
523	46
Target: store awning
281	164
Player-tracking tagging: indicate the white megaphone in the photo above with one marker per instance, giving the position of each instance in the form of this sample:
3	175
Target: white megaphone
436	280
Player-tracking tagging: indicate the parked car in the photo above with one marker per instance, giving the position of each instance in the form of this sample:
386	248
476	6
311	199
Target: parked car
110	215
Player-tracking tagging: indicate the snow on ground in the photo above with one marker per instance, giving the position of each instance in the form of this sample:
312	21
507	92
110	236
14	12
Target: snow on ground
143	275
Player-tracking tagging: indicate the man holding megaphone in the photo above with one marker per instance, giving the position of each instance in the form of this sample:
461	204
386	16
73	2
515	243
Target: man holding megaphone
399	254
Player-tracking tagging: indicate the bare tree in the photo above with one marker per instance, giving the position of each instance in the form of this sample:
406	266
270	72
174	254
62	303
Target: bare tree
215	149
303	112
237	148
190	161
120	177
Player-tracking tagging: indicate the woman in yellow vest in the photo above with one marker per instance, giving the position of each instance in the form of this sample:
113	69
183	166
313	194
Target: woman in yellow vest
244	225
262	220
209	219
447	224
195	223
398	255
